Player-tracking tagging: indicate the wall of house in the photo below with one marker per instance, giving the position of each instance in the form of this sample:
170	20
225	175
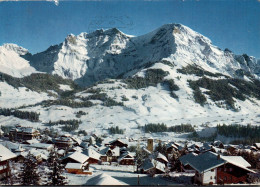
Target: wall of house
210	177
4	169
229	174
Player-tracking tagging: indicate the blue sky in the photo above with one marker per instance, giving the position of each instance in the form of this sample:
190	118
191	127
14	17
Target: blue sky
233	24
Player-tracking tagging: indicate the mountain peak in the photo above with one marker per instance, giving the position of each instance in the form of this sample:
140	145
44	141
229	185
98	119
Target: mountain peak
14	47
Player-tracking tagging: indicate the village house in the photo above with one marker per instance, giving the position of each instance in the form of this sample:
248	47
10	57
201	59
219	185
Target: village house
47	147
117	143
76	157
109	155
23	133
78	168
94	156
126	158
161	158
212	168
63	142
5	156
151	166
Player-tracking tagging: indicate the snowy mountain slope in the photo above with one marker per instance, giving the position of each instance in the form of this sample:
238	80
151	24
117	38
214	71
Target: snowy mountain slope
12	63
172	75
92	57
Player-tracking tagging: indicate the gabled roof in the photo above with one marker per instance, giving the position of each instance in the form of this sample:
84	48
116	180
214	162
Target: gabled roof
6	154
209	160
91	153
119	140
185	158
205	161
104	179
123	156
149	164
115	151
41	145
161	156
77	156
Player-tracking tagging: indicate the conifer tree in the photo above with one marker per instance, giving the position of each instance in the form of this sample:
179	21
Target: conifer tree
29	173
55	177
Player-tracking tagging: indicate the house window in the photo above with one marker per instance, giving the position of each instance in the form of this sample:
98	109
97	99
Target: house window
210	177
225	178
212	170
215	177
225	169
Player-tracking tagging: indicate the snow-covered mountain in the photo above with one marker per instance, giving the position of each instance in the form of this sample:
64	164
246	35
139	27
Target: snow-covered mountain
172	75
12	63
92	57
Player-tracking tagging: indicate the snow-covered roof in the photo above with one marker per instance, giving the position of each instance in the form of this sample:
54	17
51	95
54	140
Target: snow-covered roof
257	145
119	140
131	155
74	166
10	145
104	179
6	154
185	158
41	145
161	156
115	151
149	164
90	152
210	160
237	160
33	141
77	156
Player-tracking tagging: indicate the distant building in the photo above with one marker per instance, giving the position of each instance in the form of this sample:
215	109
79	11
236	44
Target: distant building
150	144
117	143
23	133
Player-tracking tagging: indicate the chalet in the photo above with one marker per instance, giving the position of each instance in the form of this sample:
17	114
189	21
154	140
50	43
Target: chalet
63	142
76	157
218	144
109	155
171	148
212	168
94	156
151	166
23	133
78	168
161	158
117	143
126	159
5	156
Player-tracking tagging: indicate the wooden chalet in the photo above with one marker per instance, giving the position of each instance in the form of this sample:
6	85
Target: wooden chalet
109	154
76	157
5	156
211	168
78	168
23	133
117	143
151	166
126	159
